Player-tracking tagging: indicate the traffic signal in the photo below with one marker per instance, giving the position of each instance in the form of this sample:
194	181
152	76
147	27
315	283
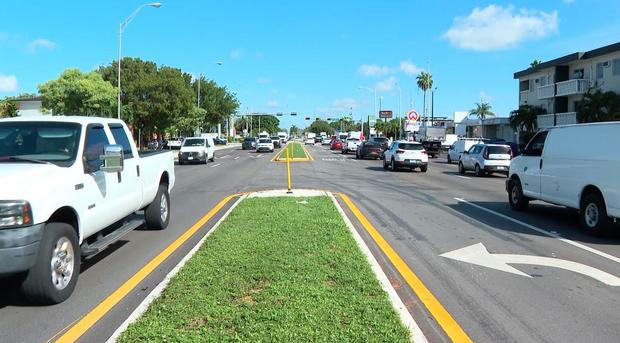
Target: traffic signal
307	118
329	119
293	113
279	114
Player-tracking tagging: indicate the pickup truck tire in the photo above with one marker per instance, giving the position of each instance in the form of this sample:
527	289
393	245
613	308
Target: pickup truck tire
593	214
55	273
516	199
157	213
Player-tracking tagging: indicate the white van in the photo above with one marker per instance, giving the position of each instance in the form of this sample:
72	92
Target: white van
457	148
576	166
197	149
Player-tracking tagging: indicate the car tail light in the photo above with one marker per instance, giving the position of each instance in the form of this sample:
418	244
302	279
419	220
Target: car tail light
511	154
400	151
486	154
424	152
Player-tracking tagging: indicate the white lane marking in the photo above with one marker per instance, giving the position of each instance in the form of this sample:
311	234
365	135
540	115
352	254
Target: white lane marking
236	158
224	156
261	155
479	255
544	232
215	165
464	177
144	305
405	316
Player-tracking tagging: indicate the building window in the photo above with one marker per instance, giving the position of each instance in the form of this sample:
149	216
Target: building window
617	67
578	74
599	70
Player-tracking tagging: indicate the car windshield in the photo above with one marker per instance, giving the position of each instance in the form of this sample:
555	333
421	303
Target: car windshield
498	149
249	140
410	146
264	140
352	139
51	142
380	140
372	144
194	142
275	138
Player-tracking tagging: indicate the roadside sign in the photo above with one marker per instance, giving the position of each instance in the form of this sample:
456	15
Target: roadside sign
372	121
385	114
412	126
413	115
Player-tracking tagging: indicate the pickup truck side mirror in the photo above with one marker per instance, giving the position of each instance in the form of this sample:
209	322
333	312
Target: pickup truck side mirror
112	158
466	152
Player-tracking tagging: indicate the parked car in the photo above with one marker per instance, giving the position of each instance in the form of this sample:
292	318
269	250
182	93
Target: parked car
197	149
369	149
562	166
403	154
350	145
276	141
457	148
70	187
220	141
155	144
433	148
264	144
336	145
486	159
249	143
326	141
175	143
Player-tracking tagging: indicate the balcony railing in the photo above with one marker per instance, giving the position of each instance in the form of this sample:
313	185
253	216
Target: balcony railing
570	87
545	121
546	92
523	97
549	120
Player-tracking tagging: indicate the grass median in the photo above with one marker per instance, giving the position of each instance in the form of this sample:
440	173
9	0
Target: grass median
295	150
277	269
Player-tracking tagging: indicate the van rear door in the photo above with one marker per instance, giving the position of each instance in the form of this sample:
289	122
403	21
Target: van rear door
532	164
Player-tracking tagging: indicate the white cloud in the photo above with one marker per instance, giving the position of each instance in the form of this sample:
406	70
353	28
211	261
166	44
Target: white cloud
495	27
236	54
272	104
374	70
40	43
386	85
409	68
345	104
263	80
8	84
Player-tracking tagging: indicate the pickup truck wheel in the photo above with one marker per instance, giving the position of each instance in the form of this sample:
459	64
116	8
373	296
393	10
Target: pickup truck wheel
517	200
55	273
157	213
593	214
461	168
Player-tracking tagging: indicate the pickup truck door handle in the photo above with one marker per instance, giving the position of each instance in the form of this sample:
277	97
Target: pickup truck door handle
138	170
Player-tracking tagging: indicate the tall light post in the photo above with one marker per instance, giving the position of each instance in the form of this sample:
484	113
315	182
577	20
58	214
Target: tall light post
122	27
400	123
433	106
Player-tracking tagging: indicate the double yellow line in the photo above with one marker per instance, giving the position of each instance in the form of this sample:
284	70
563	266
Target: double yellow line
278	158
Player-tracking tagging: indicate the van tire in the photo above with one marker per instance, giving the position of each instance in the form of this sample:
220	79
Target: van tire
38	285
154	211
593	214
516	199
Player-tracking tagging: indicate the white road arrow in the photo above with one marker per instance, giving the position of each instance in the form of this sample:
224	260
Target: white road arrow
478	254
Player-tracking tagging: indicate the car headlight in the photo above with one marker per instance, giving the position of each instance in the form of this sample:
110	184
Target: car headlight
15	214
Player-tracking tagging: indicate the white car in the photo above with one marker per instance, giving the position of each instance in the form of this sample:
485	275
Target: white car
197	149
264	144
457	148
175	143
566	166
309	141
326	141
403	154
486	159
350	145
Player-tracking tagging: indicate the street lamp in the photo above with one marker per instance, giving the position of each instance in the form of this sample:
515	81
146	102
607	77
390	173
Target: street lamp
400	123
121	27
433	105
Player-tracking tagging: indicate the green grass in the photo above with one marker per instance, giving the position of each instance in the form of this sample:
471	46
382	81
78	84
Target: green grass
275	270
295	150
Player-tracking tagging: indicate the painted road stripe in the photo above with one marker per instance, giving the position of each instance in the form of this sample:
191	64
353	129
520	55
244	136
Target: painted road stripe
108	303
236	158
215	165
441	315
464	177
544	232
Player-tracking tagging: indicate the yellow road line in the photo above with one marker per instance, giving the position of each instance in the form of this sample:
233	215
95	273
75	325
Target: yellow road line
108	303
278	158
441	315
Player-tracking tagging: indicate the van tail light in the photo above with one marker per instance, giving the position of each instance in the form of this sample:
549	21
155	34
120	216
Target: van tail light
400	151
486	154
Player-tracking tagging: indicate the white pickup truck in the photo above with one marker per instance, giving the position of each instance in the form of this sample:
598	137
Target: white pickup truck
69	187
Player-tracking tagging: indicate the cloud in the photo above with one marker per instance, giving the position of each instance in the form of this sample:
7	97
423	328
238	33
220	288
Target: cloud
236	54
386	85
409	68
8	84
374	70
40	43
263	80
345	104
272	104
495	27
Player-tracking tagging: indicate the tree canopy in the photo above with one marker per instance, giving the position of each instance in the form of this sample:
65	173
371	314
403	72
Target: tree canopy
482	110
8	108
598	107
75	92
258	124
319	126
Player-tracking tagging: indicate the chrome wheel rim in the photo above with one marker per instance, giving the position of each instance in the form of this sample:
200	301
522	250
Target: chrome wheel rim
62	263
163	208
592	215
514	195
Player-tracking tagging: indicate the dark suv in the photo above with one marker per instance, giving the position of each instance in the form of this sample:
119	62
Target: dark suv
249	143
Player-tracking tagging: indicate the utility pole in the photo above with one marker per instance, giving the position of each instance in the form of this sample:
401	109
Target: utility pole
198	97
433	106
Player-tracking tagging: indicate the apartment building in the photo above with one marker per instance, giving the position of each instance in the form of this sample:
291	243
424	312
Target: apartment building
558	85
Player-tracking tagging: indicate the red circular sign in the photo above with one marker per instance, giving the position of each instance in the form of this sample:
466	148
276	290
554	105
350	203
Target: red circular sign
413	115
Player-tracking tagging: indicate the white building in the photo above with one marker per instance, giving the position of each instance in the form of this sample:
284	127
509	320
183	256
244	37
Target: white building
30	106
558	85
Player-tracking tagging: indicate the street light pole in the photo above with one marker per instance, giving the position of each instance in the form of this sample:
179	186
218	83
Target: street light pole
121	27
400	123
433	106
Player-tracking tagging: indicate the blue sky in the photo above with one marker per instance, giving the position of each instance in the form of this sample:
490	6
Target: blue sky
311	57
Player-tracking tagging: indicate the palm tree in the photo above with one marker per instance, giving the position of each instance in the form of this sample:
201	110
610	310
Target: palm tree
425	82
598	107
482	110
525	120
535	63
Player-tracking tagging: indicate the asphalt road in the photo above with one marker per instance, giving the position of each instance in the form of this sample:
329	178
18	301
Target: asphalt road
419	216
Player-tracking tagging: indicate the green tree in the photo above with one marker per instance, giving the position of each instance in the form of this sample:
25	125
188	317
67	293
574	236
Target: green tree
258	124
187	124
535	63
294	131
75	92
319	126
482	110
425	82
598	107
525	120
218	102
8	108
